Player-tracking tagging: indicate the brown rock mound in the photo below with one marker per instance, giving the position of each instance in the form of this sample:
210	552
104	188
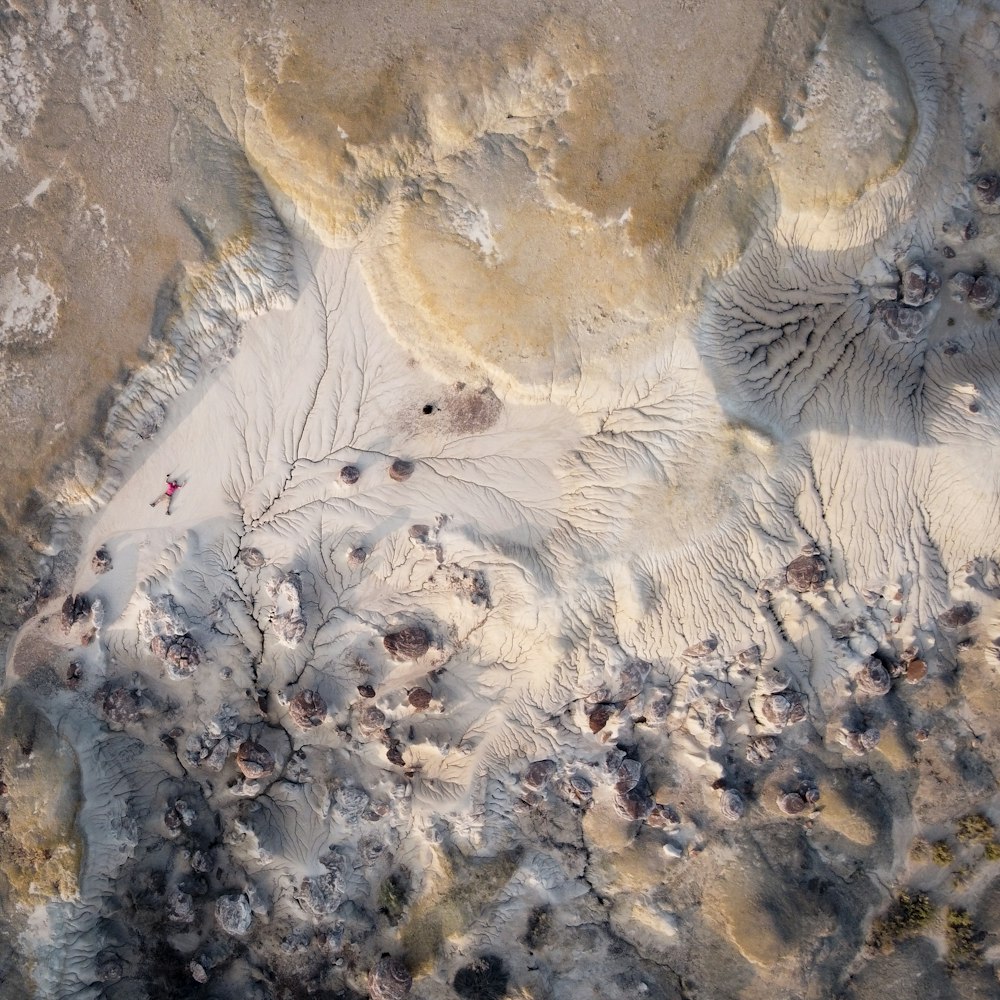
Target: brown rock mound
408	643
307	709
254	760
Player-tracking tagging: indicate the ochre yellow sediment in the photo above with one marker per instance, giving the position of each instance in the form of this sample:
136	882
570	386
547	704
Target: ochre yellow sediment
892	746
536	195
462	891
603	828
533	308
526	209
752	924
40	845
765	915
442	165
340	147
978	681
841	814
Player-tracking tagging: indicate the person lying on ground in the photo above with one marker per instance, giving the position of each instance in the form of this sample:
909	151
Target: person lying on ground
168	494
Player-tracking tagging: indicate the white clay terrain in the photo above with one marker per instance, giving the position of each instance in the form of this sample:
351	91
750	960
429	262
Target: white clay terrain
584	579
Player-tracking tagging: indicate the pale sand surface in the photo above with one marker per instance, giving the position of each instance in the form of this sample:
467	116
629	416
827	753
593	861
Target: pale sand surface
584	577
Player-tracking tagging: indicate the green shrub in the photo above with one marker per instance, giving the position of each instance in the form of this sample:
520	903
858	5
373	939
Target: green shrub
962	877
394	896
908	914
941	853
976	829
964	940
